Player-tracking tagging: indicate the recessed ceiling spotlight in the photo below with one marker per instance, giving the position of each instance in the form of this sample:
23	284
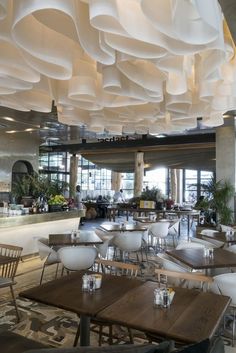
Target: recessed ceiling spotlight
10	131
29	129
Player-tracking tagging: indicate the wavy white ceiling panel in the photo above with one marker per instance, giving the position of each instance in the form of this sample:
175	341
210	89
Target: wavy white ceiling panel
138	65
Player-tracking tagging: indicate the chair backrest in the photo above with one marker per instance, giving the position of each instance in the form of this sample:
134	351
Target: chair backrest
174	229
183	276
225	284
159	229
75	258
117	268
8	269
45	251
128	241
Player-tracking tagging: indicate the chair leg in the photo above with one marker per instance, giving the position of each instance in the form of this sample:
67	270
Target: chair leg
110	335
57	270
233	329
41	278
100	335
14	301
131	337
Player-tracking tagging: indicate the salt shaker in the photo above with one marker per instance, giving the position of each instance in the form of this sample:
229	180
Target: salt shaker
91	283
165	299
85	283
157	297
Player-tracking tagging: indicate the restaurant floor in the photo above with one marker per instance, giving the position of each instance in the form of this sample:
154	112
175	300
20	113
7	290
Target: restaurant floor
28	275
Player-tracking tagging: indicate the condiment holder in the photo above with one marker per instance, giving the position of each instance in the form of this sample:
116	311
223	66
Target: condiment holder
91	282
163	297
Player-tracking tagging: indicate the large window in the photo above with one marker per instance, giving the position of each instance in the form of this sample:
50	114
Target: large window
156	178
128	185
55	164
94	181
193	179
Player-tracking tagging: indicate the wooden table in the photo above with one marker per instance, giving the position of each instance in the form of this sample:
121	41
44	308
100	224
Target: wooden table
193	315
194	258
122	228
112	210
66	293
221	236
66	239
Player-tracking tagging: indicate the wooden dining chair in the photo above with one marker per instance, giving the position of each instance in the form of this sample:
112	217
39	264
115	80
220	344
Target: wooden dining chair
163	275
8	269
117	269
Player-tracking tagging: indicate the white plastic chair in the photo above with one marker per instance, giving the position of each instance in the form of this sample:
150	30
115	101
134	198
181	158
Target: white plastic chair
75	258
159	231
107	241
128	242
173	231
224	284
48	254
170	264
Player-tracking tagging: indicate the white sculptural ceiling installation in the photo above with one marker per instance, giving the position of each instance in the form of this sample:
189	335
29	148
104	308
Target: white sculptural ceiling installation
120	65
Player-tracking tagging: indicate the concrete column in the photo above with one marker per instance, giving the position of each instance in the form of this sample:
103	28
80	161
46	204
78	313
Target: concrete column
138	174
226	154
173	184
116	181
73	174
179	182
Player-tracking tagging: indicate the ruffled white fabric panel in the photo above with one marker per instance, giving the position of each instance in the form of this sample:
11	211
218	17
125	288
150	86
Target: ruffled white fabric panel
124	66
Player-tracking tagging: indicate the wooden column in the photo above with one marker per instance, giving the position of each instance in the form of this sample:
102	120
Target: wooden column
73	174
138	174
115	181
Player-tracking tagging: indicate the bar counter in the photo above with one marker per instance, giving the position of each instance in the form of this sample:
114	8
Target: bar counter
24	230
11	221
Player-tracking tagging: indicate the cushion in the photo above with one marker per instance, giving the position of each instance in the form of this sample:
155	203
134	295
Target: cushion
11	342
164	347
200	347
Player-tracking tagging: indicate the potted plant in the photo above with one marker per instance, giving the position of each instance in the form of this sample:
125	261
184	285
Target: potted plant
216	201
56	203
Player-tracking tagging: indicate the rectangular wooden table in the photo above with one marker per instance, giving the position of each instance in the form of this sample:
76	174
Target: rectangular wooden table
131	227
66	293
220	236
67	239
194	258
193	315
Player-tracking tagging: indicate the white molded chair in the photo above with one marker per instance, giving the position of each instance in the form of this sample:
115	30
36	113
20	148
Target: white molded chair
167	263
128	242
75	258
107	241
159	232
173	231
48	254
224	284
